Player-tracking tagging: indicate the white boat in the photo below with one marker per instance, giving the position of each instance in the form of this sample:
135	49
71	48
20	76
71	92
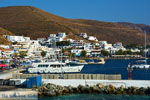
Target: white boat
76	62
142	64
54	67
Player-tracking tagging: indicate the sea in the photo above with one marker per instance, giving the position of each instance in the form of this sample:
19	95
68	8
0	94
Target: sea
117	66
97	97
112	66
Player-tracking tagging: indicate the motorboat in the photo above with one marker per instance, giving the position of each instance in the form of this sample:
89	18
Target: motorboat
54	67
141	64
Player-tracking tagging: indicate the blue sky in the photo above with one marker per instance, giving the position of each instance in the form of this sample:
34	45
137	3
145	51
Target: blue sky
136	11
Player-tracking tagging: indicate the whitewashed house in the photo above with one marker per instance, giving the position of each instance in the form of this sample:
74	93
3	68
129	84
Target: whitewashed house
77	52
102	43
84	35
108	47
5	46
77	44
61	35
118	46
88	46
17	38
92	38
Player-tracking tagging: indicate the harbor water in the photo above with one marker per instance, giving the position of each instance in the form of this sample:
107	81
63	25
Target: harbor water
97	97
117	66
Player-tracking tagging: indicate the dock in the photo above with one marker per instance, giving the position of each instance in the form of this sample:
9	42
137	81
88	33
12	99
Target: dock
70	76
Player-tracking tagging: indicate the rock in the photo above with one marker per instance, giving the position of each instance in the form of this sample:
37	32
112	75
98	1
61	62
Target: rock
100	85
51	93
147	91
96	89
65	90
55	90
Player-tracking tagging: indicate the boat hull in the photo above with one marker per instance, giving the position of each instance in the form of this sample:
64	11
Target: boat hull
68	69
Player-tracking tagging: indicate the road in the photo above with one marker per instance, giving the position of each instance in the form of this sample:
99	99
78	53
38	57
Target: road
8	73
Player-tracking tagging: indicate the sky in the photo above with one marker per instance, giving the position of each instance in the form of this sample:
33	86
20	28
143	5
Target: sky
135	11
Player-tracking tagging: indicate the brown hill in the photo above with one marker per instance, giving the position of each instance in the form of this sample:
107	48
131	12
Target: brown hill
2	39
33	22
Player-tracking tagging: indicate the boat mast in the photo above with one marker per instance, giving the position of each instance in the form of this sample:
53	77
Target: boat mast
62	74
145	47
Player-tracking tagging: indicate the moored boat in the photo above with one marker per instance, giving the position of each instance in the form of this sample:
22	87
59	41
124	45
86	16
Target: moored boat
54	67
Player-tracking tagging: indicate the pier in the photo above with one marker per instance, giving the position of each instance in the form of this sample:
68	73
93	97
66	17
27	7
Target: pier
70	76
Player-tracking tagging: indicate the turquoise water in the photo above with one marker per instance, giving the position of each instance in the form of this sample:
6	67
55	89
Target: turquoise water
97	97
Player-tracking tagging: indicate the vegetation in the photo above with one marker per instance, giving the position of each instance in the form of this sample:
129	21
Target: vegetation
63	43
105	53
83	53
43	53
129	52
22	54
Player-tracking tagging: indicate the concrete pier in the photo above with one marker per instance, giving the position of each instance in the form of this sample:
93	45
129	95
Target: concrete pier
71	76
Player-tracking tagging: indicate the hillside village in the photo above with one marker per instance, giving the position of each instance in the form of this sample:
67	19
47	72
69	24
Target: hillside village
27	48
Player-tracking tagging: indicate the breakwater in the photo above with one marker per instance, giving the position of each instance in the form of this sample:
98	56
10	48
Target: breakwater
56	90
71	76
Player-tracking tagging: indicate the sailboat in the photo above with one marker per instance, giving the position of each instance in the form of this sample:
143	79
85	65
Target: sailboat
142	64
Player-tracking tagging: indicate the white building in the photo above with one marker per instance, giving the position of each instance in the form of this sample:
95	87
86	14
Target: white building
84	35
56	37
88	46
5	46
118	46
77	52
17	38
92	38
61	35
102	43
77	43
108	47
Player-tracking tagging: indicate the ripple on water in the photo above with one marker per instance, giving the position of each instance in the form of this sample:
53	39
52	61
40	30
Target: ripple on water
97	97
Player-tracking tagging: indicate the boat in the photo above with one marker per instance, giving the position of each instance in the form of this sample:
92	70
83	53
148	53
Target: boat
54	67
90	61
76	62
101	61
141	64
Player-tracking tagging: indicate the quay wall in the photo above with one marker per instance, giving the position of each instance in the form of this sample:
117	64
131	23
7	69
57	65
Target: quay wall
70	76
77	82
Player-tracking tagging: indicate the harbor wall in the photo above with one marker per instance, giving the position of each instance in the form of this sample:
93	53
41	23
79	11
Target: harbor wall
70	76
77	82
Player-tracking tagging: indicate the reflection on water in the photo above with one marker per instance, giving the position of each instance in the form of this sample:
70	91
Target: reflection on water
97	97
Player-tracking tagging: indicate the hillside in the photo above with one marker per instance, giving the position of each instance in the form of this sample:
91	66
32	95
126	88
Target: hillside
143	27
33	22
2	39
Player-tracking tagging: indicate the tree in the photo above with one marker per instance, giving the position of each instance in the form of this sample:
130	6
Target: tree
83	53
63	43
119	52
22	54
15	55
72	55
104	53
43	53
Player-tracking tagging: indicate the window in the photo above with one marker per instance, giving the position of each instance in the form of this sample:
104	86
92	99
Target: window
43	66
55	66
